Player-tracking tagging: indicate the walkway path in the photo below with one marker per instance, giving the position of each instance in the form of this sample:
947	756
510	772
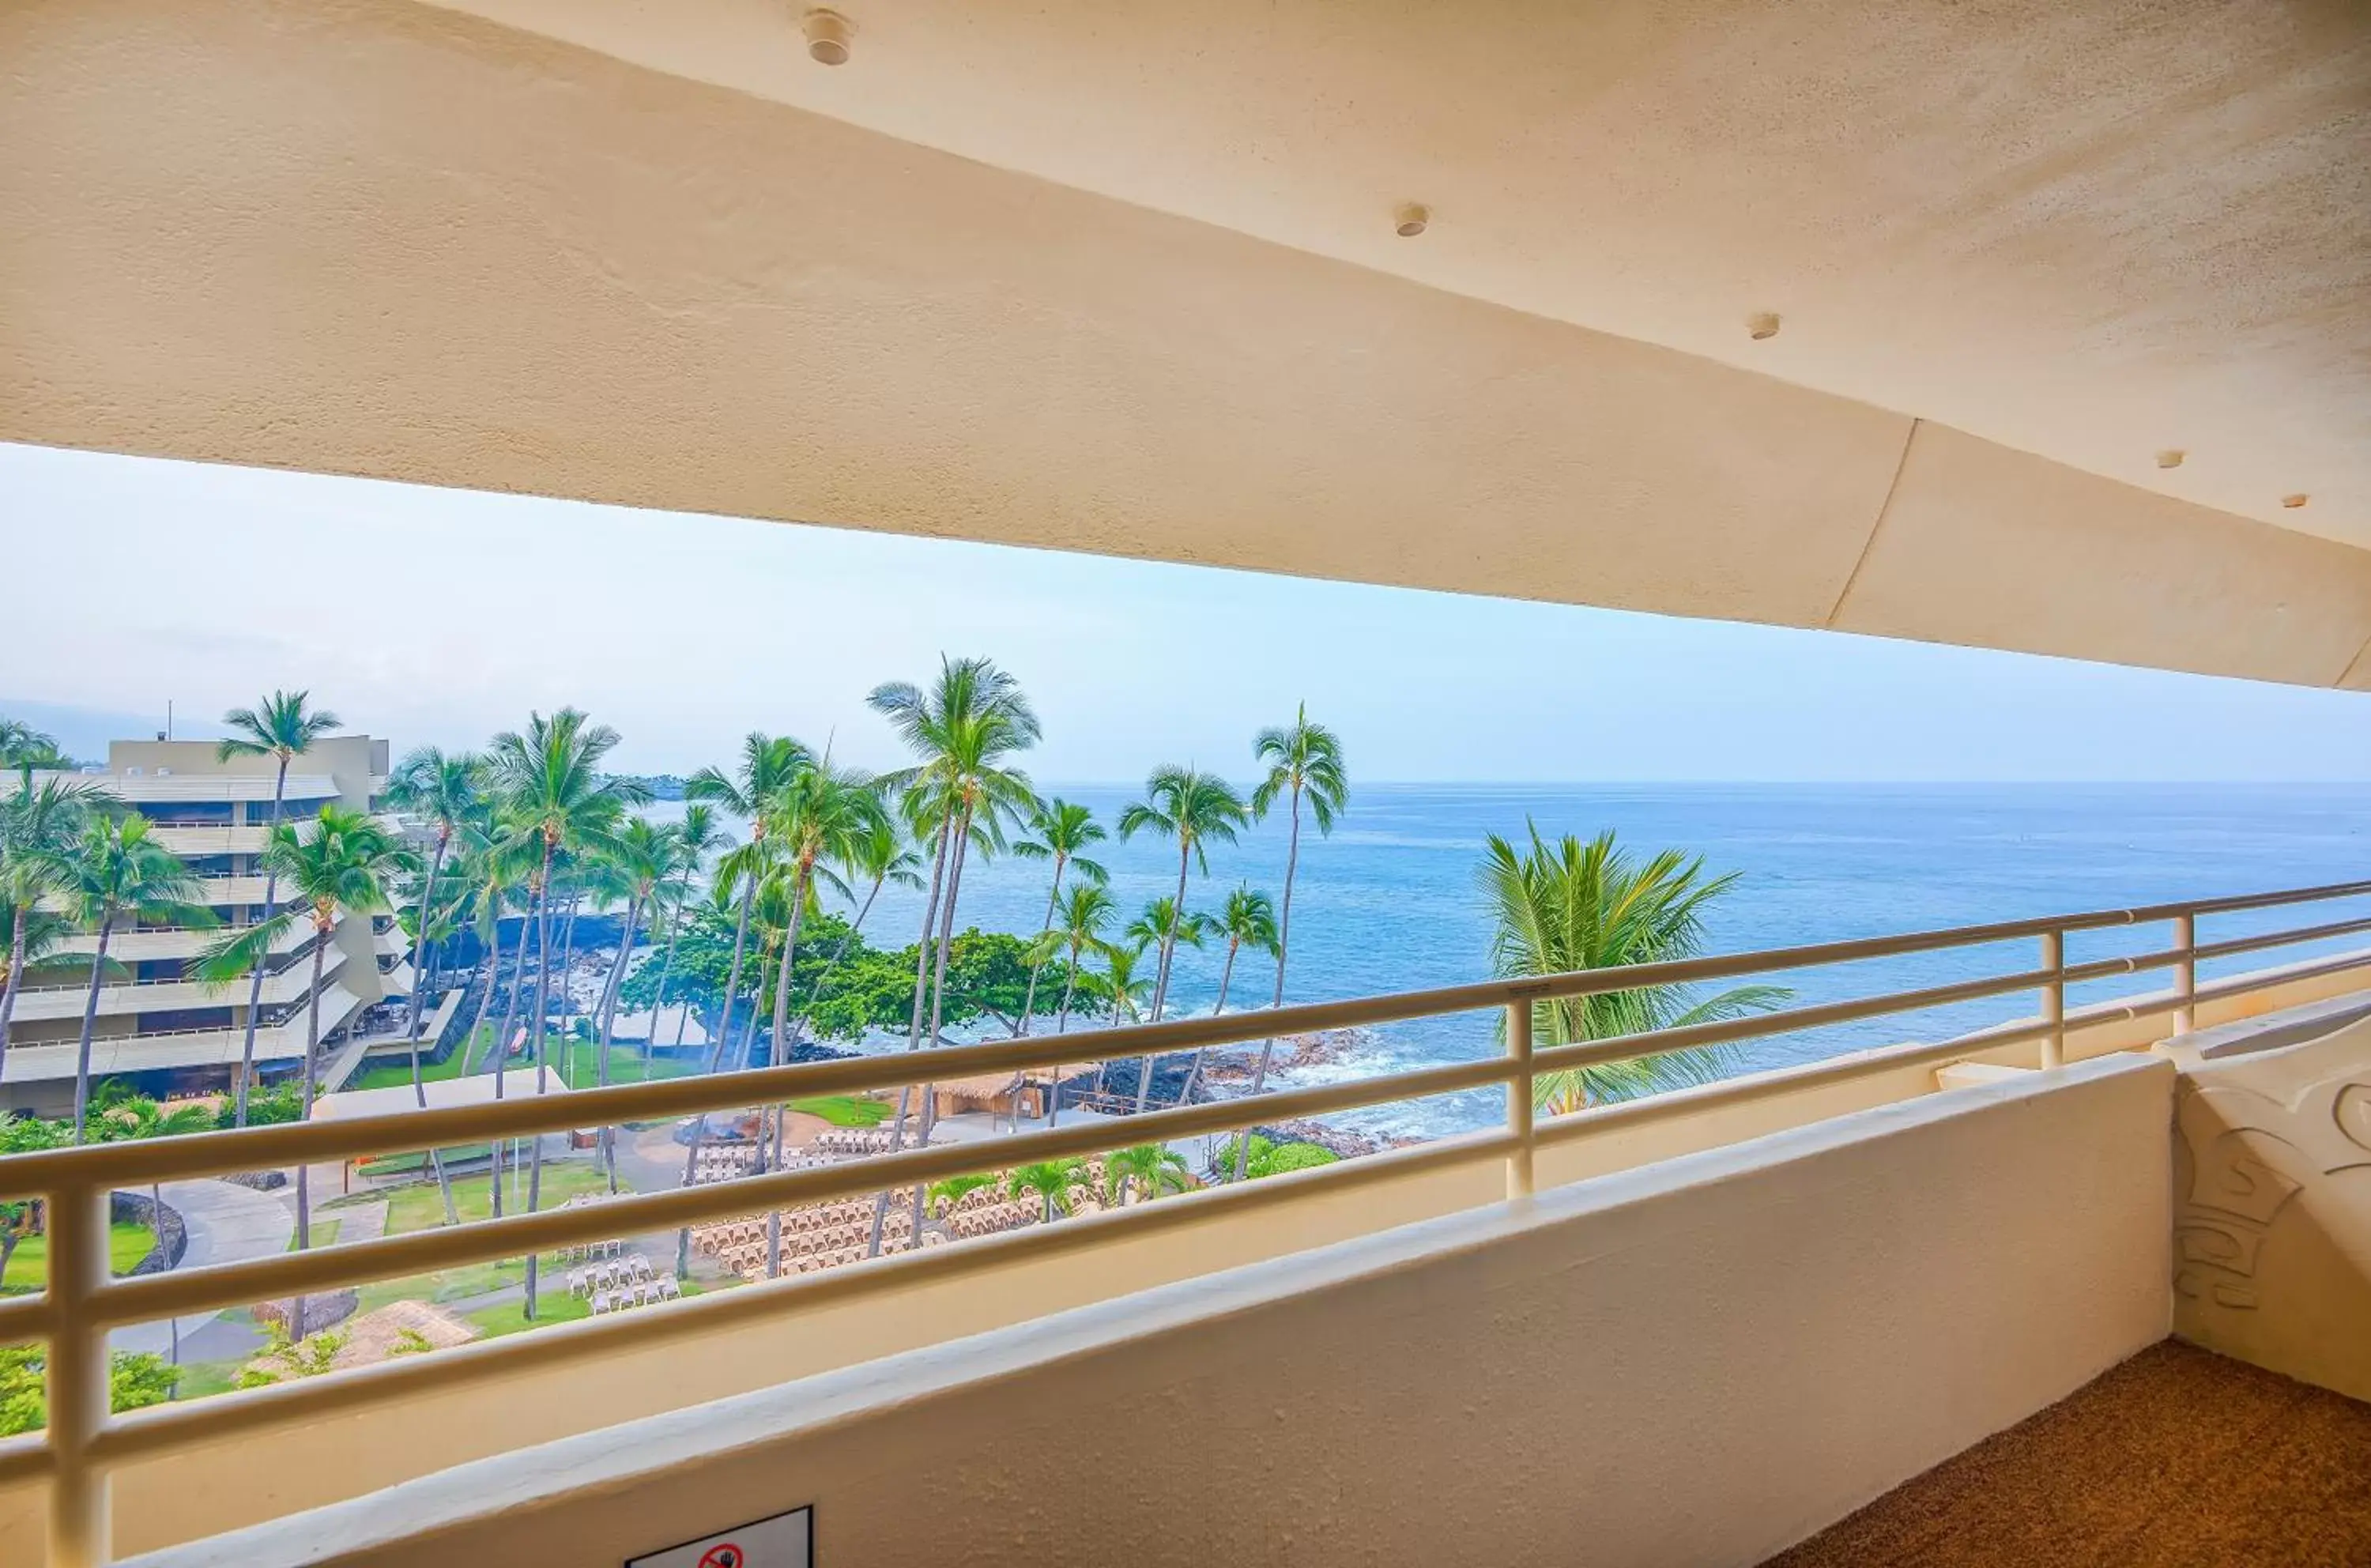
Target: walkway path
227	1224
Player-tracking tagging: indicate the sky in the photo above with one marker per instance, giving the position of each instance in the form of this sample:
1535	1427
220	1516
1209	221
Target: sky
437	616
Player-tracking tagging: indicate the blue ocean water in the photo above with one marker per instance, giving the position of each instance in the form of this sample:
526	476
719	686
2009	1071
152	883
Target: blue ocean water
1388	902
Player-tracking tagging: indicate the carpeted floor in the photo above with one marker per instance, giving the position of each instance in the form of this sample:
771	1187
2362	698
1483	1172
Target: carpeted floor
2176	1457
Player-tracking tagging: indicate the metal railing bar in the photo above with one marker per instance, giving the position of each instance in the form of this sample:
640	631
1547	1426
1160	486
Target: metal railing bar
162	1428
153	1296
26	1318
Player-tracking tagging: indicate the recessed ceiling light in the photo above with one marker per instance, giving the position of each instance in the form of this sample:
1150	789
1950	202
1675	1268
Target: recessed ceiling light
2170	458
1411	219
827	34
1764	324
2294	501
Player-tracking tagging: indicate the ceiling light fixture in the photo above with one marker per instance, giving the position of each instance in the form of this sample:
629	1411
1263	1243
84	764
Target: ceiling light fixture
2294	501
1764	324
2170	458
1412	219
827	35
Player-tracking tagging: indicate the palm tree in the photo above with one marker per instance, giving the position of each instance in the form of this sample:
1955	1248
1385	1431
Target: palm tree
1162	923
444	789
954	1190
26	749
117	869
633	867
1195	809
550	776
342	867
1125	994
1050	1180
1305	765
1060	832
39	826
1086	911
136	1118
1571	906
767	764
964	730
1152	1169
693	842
282	728
1248	921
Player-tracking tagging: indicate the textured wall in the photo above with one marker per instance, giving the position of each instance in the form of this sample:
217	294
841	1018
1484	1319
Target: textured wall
1697	1363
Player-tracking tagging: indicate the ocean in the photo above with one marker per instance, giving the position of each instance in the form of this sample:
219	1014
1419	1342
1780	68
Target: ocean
1388	902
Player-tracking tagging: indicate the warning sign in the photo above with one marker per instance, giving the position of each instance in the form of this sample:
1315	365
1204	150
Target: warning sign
785	1540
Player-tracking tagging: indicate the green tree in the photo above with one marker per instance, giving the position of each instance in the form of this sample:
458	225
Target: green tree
340	866
283	729
24	1134
767	763
1260	1156
39	825
443	789
27	750
1061	832
117	869
1304	768
559	801
1196	810
1566	905
1247	921
307	1357
135	1379
134	1118
1150	1169
951	1191
1163	925
634	866
693	843
1049	1180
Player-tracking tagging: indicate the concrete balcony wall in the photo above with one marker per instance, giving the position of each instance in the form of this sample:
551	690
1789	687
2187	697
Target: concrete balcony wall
1697	1363
170	996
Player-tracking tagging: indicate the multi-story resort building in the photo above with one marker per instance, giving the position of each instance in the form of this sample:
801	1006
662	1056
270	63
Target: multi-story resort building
167	1031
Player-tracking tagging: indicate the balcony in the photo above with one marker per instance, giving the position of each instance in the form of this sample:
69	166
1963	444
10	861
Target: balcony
1903	1250
162	1049
189	842
140	947
67	999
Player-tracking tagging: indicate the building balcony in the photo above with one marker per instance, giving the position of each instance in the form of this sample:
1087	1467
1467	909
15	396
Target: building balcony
141	947
189	842
54	1060
67	1001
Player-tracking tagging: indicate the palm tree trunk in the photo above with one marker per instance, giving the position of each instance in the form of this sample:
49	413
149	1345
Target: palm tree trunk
716	1049
16	974
494	984
1029	999
157	1218
609	1022
1160	981
1226	978
502	1051
959	850
774	1057
411	1024
1283	946
262	959
913	1030
305	1113
542	1003
740	942
568	957
89	1019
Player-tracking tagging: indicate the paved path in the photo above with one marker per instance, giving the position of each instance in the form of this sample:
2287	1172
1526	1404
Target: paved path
227	1224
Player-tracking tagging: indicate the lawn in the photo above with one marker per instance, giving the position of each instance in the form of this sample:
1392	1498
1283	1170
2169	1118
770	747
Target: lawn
395	1072
846	1109
580	1065
417	1205
28	1267
558	1307
322	1232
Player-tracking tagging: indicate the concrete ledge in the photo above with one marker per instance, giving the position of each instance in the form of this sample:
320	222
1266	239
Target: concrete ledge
1794	1325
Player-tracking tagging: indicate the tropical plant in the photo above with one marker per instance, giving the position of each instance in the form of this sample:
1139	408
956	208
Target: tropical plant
964	730
1247	921
26	749
947	1193
1060	831
1196	810
24	1134
1150	1169
283	729
767	763
633	867
1164	926
1570	905
39	824
1304	768
134	1118
444	789
1086	913
1261	1156
117	870
690	845
135	1379
559	801
307	1357
1049	1180
340	866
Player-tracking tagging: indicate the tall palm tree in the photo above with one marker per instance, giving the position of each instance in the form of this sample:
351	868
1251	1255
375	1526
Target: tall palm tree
1304	768
1568	906
697	839
1195	809
117	870
341	866
1086	913
1247	921
1126	993
1163	923
26	749
551	775
443	791
39	826
633	867
964	730
767	764
1061	832
283	729
1049	1180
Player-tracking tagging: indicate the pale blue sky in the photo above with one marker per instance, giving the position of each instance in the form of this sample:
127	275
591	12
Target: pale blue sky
441	616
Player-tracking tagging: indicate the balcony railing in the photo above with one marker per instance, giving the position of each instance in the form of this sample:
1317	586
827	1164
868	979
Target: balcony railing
83	1442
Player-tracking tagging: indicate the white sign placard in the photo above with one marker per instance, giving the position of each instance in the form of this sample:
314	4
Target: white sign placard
785	1540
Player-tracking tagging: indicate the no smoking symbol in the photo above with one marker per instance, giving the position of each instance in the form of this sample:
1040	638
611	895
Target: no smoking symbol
726	1556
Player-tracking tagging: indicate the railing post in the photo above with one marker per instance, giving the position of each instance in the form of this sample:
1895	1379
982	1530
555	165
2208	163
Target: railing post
2054	999
78	1378
2185	975
1519	1099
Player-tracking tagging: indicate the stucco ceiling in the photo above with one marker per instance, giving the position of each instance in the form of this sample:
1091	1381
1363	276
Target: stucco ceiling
2092	232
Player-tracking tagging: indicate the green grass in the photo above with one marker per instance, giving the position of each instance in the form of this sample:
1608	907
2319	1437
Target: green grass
846	1109
28	1267
580	1065
417	1205
324	1234
395	1072
511	1317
